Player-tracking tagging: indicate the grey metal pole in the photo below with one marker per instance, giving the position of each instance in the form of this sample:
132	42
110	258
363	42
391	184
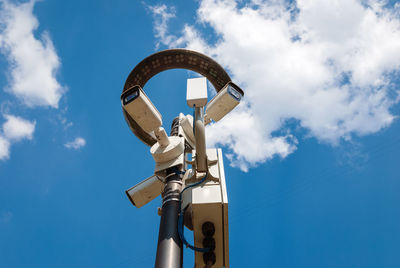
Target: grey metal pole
200	134
169	248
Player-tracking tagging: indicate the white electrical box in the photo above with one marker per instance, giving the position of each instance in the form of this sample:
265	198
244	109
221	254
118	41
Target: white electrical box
196	92
209	203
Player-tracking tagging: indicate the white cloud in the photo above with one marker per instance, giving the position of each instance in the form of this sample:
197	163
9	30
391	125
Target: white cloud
16	128
76	144
33	62
13	130
4	148
33	65
329	65
248	142
162	14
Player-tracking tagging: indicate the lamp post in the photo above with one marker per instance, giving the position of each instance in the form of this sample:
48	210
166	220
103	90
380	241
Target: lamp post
183	190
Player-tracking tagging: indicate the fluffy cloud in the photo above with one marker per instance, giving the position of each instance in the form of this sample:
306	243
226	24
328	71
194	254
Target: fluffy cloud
33	65
33	62
76	144
162	14
328	67
13	130
4	148
16	128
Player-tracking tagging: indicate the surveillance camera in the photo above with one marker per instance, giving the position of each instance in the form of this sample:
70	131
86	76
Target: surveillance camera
139	107
145	191
224	102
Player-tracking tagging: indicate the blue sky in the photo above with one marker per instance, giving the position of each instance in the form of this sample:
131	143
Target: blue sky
311	154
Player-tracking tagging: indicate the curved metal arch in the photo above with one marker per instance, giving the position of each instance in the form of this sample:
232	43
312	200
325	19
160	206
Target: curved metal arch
166	60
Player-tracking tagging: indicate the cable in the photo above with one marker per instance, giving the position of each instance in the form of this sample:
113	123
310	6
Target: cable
182	237
177	171
181	216
193	185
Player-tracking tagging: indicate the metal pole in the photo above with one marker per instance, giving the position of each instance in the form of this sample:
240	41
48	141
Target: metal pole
169	248
200	134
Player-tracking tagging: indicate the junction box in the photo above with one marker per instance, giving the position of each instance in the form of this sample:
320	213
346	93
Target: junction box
209	203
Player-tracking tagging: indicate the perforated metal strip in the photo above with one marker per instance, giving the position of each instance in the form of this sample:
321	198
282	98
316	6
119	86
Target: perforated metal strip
172	59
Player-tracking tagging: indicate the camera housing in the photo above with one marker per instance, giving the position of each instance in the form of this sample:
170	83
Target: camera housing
145	191
224	102
136	103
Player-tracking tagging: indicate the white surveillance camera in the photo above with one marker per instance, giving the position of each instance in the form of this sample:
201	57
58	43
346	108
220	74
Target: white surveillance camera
139	107
145	191
224	102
